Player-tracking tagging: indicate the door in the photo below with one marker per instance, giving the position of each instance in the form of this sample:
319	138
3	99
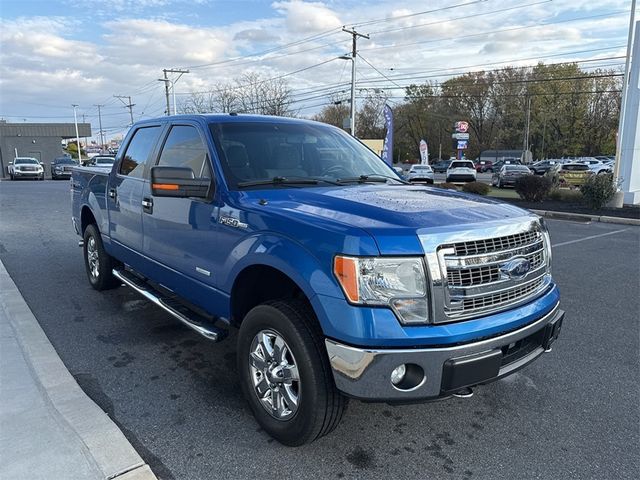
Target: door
125	192
180	233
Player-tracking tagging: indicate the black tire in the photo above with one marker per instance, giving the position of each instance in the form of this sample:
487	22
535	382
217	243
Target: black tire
11	177
500	184
102	279
320	404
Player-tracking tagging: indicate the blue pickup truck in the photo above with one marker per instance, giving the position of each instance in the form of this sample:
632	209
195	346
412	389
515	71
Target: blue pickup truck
342	279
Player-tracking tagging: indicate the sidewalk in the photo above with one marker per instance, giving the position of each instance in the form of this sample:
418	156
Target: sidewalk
49	428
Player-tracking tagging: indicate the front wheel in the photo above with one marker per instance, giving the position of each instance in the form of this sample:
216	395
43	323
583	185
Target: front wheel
98	263
285	373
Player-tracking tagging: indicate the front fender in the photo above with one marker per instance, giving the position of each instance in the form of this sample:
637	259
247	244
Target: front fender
285	255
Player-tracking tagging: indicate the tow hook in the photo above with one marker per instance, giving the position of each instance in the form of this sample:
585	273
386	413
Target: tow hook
81	243
465	392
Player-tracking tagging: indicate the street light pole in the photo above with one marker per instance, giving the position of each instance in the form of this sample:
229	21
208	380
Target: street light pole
354	51
75	121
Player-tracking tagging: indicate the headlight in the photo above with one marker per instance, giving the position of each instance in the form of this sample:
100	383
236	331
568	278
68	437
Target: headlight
547	241
397	282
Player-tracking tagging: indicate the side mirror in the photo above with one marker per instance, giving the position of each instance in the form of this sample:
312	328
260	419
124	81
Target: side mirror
178	182
10	163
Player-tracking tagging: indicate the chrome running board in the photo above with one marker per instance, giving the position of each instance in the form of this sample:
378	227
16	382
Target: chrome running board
172	306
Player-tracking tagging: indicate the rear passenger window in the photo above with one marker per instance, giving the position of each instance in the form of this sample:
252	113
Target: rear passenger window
138	151
184	148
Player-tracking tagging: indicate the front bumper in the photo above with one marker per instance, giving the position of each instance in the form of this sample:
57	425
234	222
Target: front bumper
366	373
22	174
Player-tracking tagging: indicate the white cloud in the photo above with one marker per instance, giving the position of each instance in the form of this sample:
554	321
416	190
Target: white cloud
307	17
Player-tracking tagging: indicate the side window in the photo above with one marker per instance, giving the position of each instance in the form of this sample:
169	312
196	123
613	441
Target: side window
184	148
138	151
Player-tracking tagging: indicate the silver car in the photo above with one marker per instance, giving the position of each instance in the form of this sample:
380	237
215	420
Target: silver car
420	173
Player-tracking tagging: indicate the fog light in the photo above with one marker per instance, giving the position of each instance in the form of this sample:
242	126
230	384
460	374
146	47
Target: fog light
398	374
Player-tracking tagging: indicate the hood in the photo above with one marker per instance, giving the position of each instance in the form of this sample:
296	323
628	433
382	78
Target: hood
384	211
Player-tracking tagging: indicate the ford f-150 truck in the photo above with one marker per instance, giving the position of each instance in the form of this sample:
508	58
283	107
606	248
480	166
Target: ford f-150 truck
343	280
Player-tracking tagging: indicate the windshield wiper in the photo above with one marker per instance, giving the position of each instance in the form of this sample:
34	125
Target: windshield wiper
372	177
286	181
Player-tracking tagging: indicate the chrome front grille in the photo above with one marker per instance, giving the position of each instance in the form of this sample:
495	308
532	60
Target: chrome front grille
466	277
500	298
480	270
489	245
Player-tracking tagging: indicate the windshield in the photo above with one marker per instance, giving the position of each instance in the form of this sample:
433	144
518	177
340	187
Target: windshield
66	161
255	151
29	161
516	168
422	167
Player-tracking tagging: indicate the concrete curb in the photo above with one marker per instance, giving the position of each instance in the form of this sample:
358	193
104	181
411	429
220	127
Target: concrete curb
105	443
580	217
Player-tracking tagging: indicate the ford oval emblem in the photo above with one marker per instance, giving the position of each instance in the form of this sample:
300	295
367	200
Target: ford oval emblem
516	268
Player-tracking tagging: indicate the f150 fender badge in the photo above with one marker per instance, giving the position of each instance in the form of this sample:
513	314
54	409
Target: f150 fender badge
516	268
232	222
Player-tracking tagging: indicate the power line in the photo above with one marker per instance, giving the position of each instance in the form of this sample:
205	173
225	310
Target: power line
409	15
493	32
464	17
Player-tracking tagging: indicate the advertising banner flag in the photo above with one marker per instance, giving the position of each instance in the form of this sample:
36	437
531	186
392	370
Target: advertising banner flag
424	152
387	148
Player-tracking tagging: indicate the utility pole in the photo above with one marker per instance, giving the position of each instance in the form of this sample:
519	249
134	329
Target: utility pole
526	130
75	120
100	123
127	105
173	86
354	51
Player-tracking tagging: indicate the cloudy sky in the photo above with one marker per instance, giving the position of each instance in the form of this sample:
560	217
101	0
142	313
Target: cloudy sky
55	53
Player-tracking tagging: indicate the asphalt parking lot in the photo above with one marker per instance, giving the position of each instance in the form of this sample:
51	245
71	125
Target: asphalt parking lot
571	414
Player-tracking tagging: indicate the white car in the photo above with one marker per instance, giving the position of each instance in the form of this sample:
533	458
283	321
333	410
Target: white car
25	167
597	166
461	171
420	173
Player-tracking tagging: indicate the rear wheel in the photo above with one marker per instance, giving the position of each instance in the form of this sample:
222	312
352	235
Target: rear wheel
97	261
285	372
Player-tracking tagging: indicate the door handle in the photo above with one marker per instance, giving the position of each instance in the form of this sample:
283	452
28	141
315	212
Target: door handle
112	193
147	205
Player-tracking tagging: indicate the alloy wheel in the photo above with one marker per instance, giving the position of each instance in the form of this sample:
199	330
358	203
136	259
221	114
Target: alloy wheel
274	372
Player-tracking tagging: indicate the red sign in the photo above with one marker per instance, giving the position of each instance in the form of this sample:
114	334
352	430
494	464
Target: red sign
461	127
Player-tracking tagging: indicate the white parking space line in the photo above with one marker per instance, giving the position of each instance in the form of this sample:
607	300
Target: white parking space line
590	237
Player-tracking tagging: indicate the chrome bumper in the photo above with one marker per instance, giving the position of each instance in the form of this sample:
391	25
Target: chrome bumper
366	373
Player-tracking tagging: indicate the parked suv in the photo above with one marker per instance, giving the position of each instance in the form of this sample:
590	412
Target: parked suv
508	175
461	171
483	166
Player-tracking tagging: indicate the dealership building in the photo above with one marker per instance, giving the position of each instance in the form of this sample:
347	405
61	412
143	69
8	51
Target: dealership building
42	141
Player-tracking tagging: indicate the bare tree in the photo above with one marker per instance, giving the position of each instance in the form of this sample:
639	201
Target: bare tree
251	93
